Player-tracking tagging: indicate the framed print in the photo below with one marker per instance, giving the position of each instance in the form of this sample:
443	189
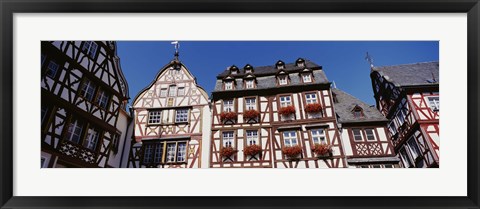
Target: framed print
263	104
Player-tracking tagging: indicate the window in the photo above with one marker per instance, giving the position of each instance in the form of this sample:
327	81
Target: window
173	91
252	137
290	138
154	117
357	113
434	103
90	48
228	85
175	152
228	139
392	127
413	148
228	105
407	163
248	71
74	131
92	139
88	89
181	91
102	99
311	98
357	134
163	92
52	69
181	116
370	134
250	104
285	101
282	80
249	84
318	136
307	77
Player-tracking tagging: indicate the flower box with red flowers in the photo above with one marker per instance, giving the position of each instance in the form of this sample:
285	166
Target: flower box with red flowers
227	151
251	114
292	152
252	150
288	110
228	116
322	150
313	108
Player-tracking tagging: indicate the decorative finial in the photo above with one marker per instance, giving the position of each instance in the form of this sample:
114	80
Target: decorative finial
369	59
177	46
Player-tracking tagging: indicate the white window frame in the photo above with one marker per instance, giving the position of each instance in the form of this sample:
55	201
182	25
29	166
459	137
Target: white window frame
163	92
154	117
311	98
228	139
171	152
282	80
75	130
181	91
172	91
52	69
360	134
181	115
252	137
251	103
91	139
413	148
90	48
307	77
434	103
373	134
88	89
228	85
228	105
290	138
285	101
181	152
318	136
249	84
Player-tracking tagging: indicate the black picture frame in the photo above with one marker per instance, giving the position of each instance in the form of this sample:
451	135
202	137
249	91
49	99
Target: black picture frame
10	7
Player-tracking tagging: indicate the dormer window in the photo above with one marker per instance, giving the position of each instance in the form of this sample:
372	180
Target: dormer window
250	84
280	65
300	62
282	80
357	112
248	69
233	70
307	77
228	85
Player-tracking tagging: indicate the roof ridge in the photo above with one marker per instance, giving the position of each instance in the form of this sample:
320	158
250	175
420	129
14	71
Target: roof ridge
383	66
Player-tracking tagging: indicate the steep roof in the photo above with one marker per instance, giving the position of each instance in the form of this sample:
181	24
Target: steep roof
266	76
423	73
345	103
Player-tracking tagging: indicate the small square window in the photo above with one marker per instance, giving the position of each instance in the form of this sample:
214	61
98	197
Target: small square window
154	117
282	80
290	138
181	91
370	134
318	136
52	69
357	134
181	116
163	92
307	77
285	101
228	85
311	98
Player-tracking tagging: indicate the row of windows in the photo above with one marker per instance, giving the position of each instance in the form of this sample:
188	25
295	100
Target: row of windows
172	91
155	116
282	80
250	103
410	154
75	133
361	134
164	152
91	92
289	137
88	47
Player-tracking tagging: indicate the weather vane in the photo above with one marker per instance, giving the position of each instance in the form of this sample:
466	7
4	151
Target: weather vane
369	59
177	45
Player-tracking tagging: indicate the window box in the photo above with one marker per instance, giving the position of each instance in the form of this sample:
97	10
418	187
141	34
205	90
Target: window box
313	108
252	150
293	152
322	150
251	115
288	110
227	152
228	117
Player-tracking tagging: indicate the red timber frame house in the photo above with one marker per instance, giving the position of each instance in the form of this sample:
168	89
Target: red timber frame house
171	121
408	95
364	133
83	99
279	116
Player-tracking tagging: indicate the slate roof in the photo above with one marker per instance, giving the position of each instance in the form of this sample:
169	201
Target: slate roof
266	76
423	73
346	103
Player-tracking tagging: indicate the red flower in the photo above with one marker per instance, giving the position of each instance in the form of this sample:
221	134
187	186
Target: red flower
287	110
313	108
227	151
252	150
292	152
251	114
322	149
228	116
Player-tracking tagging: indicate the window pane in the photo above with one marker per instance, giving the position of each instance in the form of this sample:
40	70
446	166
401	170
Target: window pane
173	91
158	153
370	134
252	137
228	139
357	134
154	117
171	149
182	115
250	103
182	150
88	89
91	139
74	131
311	98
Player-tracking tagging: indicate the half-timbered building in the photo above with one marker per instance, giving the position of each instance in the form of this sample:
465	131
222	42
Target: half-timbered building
364	133
408	95
83	99
278	116
171	120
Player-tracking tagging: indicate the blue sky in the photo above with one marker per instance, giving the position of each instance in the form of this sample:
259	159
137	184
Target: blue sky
343	61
